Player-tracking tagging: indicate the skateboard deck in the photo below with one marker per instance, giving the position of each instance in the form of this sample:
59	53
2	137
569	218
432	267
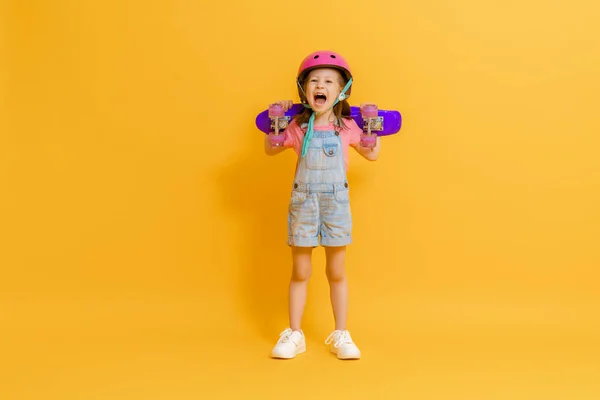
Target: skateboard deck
387	122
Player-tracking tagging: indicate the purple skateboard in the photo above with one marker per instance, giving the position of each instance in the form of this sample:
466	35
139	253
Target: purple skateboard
384	123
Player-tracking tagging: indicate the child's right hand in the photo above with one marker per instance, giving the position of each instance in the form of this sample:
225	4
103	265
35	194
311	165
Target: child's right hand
286	104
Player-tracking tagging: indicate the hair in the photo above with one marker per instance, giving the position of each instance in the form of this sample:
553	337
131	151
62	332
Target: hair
341	110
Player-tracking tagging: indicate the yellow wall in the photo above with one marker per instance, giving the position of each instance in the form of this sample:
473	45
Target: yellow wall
143	251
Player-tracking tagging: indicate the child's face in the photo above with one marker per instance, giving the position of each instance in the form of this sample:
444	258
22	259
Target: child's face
323	86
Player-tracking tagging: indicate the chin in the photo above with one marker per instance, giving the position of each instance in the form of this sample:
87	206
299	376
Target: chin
322	108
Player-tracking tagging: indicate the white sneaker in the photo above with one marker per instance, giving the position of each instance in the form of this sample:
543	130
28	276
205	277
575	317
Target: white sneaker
290	344
342	345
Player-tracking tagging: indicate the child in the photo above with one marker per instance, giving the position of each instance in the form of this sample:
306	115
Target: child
319	208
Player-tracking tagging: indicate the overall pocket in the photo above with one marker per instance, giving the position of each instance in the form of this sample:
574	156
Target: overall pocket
324	157
342	196
298	197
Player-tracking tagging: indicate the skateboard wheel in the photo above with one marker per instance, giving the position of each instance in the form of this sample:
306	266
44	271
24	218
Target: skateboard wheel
368	141
277	140
276	110
369	111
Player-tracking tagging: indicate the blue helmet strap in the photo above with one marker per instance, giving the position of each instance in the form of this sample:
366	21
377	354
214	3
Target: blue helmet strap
311	121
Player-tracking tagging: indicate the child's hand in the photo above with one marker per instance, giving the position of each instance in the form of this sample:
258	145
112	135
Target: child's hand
362	105
286	104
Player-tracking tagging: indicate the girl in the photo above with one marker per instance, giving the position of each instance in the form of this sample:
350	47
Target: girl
319	208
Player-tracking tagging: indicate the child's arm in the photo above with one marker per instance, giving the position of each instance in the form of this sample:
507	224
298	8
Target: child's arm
370	154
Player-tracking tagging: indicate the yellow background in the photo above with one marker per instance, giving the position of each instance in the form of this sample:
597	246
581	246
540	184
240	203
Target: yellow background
143	229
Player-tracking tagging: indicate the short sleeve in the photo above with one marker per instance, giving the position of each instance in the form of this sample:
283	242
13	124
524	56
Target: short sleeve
354	133
294	136
290	137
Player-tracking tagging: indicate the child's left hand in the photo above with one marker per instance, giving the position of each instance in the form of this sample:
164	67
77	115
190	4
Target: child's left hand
285	104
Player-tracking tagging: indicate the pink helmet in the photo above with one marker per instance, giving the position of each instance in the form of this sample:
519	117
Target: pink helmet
323	59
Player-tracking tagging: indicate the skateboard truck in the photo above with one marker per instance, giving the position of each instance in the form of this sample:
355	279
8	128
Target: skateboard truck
371	124
279	121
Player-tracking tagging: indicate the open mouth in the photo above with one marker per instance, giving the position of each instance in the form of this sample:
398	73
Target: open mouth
320	99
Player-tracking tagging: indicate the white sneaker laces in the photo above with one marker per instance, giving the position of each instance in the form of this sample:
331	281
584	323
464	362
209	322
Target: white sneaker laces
286	335
340	337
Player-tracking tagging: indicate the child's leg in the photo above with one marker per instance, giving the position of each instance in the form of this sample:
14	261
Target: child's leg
338	286
301	271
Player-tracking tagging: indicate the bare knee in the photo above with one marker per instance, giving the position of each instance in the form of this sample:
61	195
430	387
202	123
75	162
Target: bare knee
301	273
336	273
302	268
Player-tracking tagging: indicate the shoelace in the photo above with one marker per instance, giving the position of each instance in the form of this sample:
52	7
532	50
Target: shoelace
285	335
340	338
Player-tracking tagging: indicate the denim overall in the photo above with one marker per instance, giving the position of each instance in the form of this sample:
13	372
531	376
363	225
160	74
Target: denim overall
319	209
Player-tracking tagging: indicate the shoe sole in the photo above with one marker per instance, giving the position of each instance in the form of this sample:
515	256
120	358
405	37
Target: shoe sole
300	350
348	358
345	357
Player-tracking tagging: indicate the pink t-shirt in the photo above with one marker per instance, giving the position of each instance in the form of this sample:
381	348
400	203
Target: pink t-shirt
294	136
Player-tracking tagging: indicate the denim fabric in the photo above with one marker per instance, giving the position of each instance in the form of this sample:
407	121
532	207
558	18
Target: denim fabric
319	209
